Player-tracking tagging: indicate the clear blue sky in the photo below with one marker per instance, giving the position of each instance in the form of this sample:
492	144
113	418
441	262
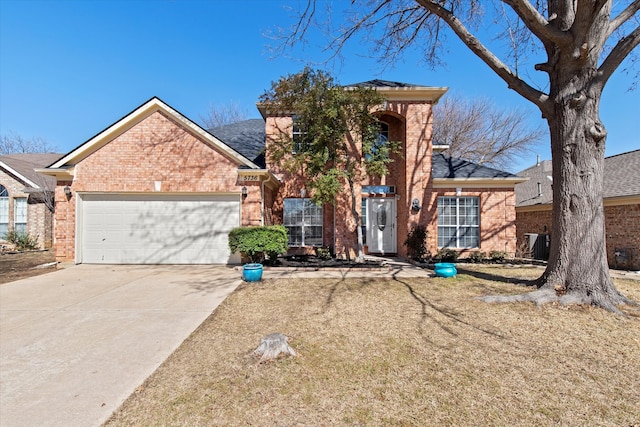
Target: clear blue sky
69	69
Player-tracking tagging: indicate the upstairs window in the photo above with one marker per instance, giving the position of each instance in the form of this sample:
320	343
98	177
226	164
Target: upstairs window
299	136
303	220
381	141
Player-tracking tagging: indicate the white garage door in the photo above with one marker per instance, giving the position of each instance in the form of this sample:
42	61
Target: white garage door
153	229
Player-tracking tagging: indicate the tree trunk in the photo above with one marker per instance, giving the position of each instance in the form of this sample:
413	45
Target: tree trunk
578	268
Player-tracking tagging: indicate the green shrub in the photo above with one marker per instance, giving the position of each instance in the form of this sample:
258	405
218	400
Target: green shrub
22	241
497	256
477	256
323	253
446	255
416	242
255	242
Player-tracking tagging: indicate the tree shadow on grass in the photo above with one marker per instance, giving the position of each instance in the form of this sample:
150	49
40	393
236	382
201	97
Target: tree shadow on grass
444	311
498	278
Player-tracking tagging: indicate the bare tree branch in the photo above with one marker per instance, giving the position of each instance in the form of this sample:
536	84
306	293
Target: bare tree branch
500	68
478	131
617	55
537	23
624	16
14	143
220	115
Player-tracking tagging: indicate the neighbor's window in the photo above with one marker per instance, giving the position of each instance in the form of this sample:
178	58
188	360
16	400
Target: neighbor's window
458	222
303	220
4	212
20	215
299	137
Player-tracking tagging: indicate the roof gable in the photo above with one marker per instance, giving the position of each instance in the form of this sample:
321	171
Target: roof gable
23	167
136	116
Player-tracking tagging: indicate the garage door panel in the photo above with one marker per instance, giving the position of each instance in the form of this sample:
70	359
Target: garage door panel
158	229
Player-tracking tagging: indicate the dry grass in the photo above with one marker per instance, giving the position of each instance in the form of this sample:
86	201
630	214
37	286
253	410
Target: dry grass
409	352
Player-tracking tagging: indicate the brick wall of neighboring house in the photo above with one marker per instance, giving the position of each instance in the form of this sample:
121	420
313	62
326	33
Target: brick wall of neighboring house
154	149
39	218
622	224
536	222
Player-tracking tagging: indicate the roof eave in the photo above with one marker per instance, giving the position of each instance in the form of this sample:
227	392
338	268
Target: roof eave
18	175
507	182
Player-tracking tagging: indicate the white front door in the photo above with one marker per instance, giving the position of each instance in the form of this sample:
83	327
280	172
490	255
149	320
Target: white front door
381	225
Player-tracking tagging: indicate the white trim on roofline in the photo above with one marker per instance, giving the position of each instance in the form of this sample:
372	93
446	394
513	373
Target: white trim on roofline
18	175
136	116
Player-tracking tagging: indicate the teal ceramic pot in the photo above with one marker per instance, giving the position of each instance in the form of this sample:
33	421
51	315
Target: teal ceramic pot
252	272
446	269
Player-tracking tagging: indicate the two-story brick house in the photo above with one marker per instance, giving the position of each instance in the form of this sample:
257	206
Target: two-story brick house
157	188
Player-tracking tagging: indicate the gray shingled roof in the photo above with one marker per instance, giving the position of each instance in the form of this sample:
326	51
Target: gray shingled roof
246	137
444	166
26	163
527	192
621	178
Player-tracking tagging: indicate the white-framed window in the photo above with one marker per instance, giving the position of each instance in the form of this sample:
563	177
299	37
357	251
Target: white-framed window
303	220
20	215
299	137
458	222
4	212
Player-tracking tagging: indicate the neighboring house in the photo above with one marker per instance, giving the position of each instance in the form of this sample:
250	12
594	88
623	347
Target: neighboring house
155	187
26	197
621	209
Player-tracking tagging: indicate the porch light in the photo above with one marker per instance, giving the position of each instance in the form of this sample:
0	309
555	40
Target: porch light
415	205
67	191
245	192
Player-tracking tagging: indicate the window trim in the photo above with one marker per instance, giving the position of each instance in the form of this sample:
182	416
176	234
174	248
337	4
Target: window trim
20	227
4	215
457	226
303	224
297	137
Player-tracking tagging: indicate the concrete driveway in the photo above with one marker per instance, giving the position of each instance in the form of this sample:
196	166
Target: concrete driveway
75	343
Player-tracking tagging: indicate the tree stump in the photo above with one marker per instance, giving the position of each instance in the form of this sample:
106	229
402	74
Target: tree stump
272	346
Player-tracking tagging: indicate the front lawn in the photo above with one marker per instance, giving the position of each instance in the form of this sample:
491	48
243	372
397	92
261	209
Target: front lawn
410	352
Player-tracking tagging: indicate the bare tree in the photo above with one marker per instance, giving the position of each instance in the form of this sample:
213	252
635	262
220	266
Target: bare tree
220	115
584	42
13	143
478	131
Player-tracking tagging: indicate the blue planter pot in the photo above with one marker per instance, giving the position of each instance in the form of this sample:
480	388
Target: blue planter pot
446	269
252	272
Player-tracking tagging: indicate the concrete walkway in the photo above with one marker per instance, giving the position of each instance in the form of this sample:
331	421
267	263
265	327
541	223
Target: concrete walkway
75	343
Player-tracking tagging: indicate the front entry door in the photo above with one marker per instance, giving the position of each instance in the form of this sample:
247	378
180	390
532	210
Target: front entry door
381	225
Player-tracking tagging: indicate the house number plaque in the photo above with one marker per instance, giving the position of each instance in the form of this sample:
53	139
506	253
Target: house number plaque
249	178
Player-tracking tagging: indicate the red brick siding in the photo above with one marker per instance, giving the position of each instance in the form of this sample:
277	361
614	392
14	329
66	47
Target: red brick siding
411	124
622	227
155	149
497	218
